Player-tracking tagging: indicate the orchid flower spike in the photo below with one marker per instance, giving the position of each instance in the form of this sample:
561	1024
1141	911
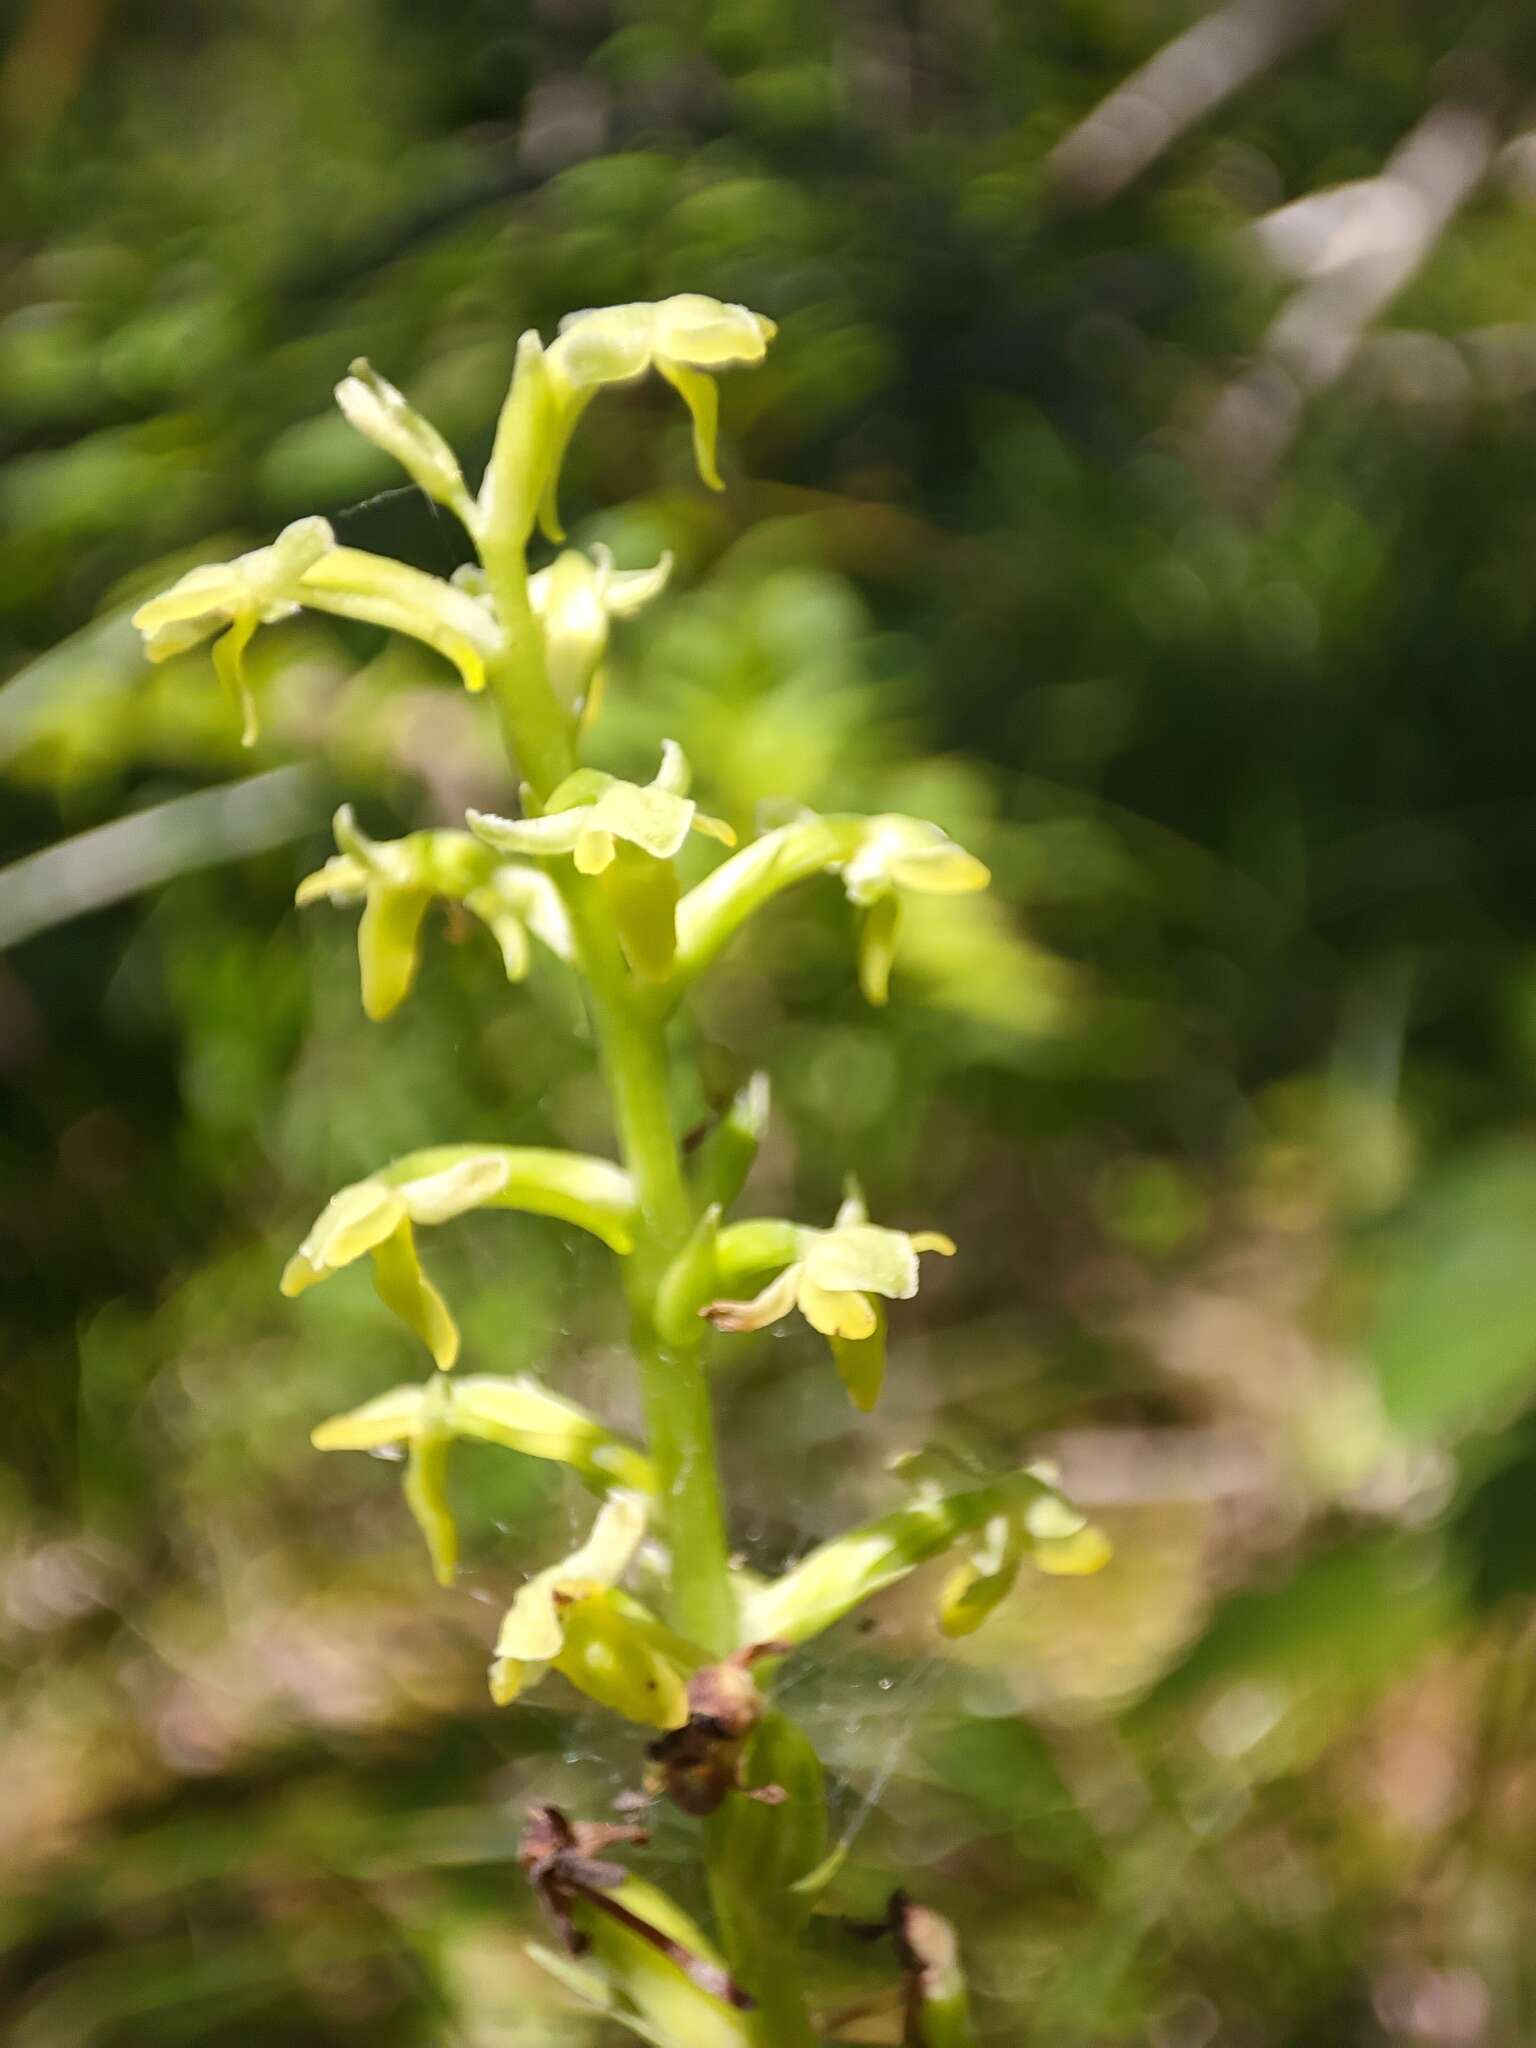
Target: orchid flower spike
839	1282
232	599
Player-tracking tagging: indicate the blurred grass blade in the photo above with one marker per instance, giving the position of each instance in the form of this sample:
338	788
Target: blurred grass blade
111	862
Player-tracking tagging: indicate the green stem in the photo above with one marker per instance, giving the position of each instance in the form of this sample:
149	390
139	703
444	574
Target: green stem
631	1032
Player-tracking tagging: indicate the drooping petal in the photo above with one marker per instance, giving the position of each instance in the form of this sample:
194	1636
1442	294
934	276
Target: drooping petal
404	1288
389	946
836	1312
506	928
979	1585
643	894
426	1483
702	398
229	665
593	852
860	1360
879	926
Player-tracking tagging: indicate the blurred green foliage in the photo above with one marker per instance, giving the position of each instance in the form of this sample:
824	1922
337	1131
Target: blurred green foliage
1227	1090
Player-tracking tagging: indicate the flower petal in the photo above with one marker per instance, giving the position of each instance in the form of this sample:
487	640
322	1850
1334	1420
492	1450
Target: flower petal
357	585
702	397
391	1418
404	1287
649	817
389	946
451	1190
863	1256
878	928
605	344
526	1417
351	1223
229	664
860	1360
426	1483
525	455
775	1301
836	1312
614	1652
706	333
593	852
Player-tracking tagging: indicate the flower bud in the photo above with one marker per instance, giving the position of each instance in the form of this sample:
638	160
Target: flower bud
382	415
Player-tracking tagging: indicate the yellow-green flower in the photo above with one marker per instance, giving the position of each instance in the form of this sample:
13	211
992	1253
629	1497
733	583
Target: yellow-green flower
304	568
590	813
573	1618
684	338
894	854
574	599
838	1282
626	832
232	599
517	1414
377	1216
396	879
